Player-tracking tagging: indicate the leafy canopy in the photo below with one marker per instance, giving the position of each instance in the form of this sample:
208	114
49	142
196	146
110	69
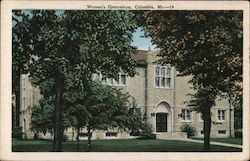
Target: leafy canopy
208	45
48	44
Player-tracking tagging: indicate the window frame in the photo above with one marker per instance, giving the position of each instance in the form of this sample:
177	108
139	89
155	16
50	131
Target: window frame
220	115
110	81
111	136
222	134
200	115
184	118
167	76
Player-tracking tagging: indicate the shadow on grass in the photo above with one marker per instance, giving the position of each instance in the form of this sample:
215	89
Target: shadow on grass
129	145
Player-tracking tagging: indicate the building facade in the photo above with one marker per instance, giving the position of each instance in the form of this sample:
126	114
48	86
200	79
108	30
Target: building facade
159	93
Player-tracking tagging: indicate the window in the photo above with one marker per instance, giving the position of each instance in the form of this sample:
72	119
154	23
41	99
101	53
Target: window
134	133
111	134
186	115
98	77
122	77
162	76
24	103
222	132
85	134
24	83
121	80
135	110
200	117
202	133
221	115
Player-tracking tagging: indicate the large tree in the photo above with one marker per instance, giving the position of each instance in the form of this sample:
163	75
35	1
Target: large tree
207	45
103	107
53	44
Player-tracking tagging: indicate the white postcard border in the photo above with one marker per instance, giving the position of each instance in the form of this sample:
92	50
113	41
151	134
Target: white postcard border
5	83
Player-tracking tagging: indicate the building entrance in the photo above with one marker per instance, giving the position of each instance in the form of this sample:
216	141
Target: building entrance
161	122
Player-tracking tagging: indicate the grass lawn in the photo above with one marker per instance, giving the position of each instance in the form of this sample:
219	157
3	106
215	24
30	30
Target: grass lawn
130	145
226	140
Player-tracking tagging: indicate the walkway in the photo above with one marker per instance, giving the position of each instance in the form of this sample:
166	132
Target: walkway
211	142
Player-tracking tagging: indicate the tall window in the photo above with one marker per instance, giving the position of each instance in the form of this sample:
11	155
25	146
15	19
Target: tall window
201	117
162	76
24	93
221	115
122	77
186	115
98	76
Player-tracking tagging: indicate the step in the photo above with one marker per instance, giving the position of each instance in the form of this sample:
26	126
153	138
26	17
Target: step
170	135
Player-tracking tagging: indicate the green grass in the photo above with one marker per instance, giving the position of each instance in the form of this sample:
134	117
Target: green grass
226	140
130	145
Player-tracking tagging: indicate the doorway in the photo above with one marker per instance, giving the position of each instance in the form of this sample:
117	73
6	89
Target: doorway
161	122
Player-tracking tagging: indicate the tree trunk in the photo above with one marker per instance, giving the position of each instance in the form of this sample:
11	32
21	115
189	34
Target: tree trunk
54	140
16	88
89	140
58	114
17	110
77	139
206	127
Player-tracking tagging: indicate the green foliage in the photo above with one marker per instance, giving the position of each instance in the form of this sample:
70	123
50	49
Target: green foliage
65	138
189	129
207	45
62	49
42	117
101	107
238	134
17	132
147	131
135	118
137	124
203	98
107	107
73	41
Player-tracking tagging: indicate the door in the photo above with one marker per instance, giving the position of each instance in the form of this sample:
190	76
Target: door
161	122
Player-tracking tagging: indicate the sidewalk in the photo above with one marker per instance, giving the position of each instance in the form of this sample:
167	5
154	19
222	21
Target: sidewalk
211	142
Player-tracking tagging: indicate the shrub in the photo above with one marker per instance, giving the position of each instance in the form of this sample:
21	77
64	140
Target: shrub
190	130
147	132
36	136
65	138
238	134
17	132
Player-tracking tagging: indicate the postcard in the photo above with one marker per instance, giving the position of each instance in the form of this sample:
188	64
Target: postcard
124	80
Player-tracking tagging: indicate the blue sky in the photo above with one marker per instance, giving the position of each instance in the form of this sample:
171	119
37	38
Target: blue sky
140	41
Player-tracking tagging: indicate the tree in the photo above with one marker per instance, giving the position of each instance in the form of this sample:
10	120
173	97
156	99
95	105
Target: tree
136	121
100	108
107	108
54	44
76	109
206	45
42	117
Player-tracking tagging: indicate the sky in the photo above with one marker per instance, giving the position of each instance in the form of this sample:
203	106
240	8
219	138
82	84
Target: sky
141	42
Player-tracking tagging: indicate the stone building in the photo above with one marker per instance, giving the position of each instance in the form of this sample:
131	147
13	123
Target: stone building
158	92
